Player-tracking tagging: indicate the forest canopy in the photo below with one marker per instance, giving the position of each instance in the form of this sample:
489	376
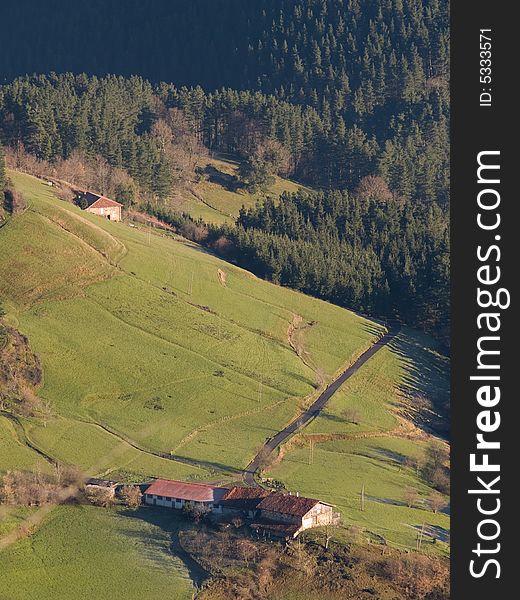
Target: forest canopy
349	97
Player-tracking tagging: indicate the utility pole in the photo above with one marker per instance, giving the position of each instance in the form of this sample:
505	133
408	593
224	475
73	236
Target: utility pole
420	537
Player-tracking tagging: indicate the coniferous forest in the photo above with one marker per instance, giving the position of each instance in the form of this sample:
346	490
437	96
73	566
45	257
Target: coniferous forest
347	97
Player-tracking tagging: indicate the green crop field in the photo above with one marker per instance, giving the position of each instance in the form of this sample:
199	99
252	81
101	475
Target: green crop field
152	345
86	552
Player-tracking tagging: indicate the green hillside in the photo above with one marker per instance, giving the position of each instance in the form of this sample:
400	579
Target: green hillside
361	436
96	553
151	345
215	199
378	465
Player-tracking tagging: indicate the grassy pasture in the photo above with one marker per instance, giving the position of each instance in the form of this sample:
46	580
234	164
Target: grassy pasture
14	452
86	552
408	370
216	203
158	340
173	350
340	469
98	452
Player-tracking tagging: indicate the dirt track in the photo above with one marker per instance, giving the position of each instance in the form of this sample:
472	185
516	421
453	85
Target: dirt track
315	408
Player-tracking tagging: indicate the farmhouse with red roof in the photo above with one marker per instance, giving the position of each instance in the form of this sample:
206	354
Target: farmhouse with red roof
286	515
271	514
178	494
102	206
243	500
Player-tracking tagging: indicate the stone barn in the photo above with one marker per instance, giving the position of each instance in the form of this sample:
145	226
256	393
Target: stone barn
101	205
285	515
101	488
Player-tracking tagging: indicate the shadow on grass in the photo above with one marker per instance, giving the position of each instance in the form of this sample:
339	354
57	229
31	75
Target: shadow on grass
434	532
390	456
160	547
334	418
425	383
214	175
373	328
389	501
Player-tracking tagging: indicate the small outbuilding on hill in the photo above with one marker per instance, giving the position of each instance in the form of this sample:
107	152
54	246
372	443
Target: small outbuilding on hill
101	205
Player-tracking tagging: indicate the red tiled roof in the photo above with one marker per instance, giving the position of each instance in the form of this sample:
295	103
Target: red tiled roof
243	497
286	504
196	492
104	202
245	493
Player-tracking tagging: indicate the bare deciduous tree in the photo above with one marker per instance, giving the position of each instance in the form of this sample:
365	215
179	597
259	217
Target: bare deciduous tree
374	187
246	550
99	496
352	415
34	489
302	560
436	502
75	169
410	496
14	201
131	496
101	172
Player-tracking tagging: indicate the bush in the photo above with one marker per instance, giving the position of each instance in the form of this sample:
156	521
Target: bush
418	575
100	496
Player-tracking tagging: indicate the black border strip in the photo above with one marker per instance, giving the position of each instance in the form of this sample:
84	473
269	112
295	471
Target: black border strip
475	129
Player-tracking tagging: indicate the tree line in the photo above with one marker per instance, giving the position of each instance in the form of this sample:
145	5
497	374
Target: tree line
157	132
379	257
347	96
379	245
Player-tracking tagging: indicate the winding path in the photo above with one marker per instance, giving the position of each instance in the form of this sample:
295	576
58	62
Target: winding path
315	408
269	446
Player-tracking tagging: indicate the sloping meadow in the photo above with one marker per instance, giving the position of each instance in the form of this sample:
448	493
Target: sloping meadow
157	343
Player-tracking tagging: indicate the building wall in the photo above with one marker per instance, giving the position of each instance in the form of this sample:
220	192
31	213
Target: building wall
276	516
178	504
321	514
114	212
